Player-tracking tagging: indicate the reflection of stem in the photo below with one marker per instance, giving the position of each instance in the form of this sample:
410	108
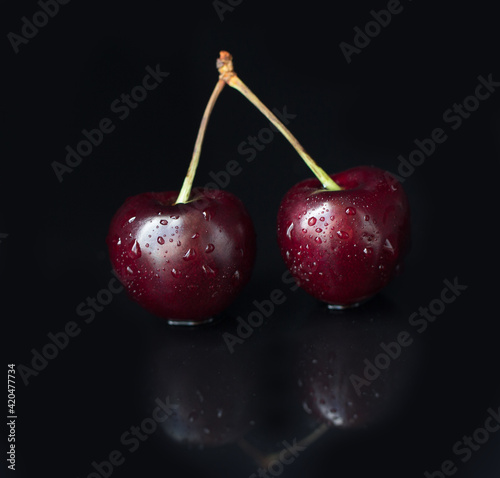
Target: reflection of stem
266	460
253	452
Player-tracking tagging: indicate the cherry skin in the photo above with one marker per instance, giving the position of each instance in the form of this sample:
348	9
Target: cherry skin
342	247
185	262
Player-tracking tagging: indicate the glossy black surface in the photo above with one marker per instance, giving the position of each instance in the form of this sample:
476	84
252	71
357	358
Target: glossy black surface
238	401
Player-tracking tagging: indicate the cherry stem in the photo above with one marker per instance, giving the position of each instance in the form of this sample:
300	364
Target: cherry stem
187	185
228	75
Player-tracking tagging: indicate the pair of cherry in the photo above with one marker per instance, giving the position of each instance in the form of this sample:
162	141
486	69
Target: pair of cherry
186	255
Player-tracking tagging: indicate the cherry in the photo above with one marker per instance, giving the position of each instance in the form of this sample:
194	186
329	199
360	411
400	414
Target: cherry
344	246
342	236
183	256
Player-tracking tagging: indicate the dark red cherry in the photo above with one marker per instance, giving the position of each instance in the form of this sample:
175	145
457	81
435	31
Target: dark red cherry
185	262
344	246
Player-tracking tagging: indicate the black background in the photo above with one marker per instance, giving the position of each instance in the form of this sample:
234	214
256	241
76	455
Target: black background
368	111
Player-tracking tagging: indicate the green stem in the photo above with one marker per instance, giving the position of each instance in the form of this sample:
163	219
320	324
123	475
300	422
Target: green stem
185	191
227	74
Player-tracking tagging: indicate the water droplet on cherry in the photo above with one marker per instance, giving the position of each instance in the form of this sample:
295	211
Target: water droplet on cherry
135	251
350	211
311	221
208	214
208	270
160	240
163	222
343	234
209	248
189	255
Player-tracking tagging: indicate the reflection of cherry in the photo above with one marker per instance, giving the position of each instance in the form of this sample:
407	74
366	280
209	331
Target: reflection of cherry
333	347
215	394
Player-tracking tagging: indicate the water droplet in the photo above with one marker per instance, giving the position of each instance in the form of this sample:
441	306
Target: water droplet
236	276
119	241
368	251
312	221
208	214
388	246
163	222
160	240
131	220
304	230
174	217
135	251
318	240
209	248
350	211
170	240
195	236
176	273
367	217
208	270
289	231
318	230
147	245
343	234
189	255
179	243
322	219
